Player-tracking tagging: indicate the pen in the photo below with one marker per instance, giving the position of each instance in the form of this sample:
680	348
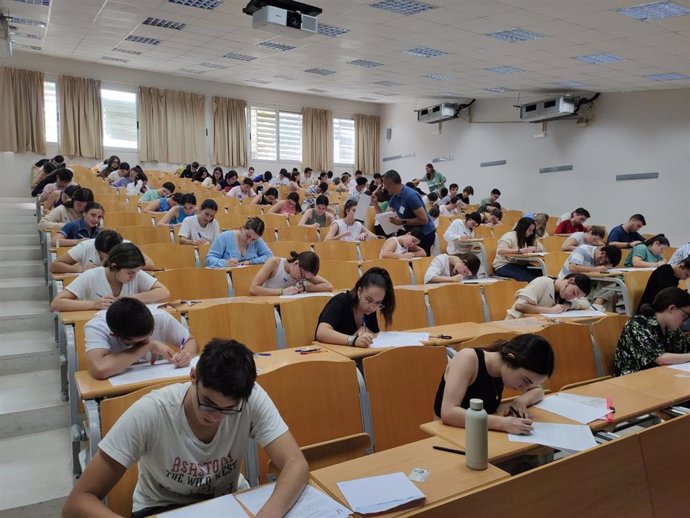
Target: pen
306	351
182	342
449	450
262	354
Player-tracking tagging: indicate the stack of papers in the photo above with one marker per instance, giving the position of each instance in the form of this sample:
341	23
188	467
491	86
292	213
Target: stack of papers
378	494
147	372
581	409
575	313
222	507
399	339
311	504
384	219
566	437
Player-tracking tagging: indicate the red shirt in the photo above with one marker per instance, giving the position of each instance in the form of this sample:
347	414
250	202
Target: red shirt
566	227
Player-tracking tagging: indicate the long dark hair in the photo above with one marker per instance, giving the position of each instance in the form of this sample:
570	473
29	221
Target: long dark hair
521	230
81	194
377	277
660	238
124	255
531	352
308	261
295	197
673	296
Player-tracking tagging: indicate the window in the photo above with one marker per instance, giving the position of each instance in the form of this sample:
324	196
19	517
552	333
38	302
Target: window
344	141
119	119
50	111
275	135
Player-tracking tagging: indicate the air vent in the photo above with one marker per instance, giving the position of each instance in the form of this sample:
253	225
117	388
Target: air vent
214	66
199	4
365	63
238	57
404	7
320	71
44	3
331	31
275	46
426	52
165	24
116	60
125	51
516	35
143	39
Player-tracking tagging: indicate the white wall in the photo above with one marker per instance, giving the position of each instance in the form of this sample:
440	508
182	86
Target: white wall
15	167
632	133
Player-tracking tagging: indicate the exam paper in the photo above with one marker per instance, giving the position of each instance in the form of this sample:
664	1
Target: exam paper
147	372
378	494
399	339
362	207
312	503
567	437
305	295
480	281
221	507
384	219
576	313
572	409
680	367
623	270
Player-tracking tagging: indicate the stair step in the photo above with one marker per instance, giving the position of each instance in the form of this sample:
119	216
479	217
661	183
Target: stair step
31	403
35	468
20	315
23	239
27	351
20	253
14	269
48	509
23	288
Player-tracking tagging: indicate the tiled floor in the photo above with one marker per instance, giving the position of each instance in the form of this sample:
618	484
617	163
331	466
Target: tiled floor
50	509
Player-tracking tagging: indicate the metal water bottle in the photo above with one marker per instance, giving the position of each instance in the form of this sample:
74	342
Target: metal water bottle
477	435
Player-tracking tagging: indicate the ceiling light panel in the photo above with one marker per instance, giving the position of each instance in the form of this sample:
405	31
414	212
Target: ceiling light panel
27	21
142	39
126	51
215	66
573	84
165	24
199	4
320	71
505	69
116	60
389	84
654	11
238	57
440	77
404	7
499	89
673	76
425	52
598	59
331	31
44	3
275	46
516	35
365	63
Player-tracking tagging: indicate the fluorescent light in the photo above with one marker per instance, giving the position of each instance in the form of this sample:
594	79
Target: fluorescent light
505	69
598	59
426	52
671	76
331	31
516	35
404	7
440	77
654	11
320	71
238	57
365	63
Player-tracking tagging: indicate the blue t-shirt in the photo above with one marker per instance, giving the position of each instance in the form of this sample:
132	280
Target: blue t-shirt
404	205
77	230
619	235
181	216
163	206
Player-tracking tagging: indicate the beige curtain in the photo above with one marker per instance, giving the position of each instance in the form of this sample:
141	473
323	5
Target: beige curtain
81	117
367	143
317	139
22	124
229	132
172	126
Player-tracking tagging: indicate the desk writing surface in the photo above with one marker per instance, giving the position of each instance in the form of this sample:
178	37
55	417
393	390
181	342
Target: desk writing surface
71	317
353	353
459	332
425	287
520	325
673	386
283	357
448	477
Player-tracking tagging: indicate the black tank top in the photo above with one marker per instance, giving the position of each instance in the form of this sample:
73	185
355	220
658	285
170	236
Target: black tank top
485	387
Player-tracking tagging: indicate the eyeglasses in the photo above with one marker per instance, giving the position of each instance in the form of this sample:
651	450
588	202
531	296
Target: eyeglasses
372	302
685	314
213	408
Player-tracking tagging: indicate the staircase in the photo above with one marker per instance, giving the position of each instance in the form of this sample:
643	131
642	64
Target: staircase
35	447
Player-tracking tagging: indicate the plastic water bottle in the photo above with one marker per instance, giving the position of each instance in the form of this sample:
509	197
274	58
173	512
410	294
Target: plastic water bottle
476	435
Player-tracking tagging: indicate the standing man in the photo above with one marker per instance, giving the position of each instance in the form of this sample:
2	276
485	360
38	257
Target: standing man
409	209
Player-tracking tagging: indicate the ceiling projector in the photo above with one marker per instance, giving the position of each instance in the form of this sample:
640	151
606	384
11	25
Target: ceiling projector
293	19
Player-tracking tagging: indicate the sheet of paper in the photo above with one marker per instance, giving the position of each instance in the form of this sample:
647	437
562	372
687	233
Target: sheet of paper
576	313
680	367
221	507
571	409
312	503
480	281
598	402
520	323
399	339
384	218
146	372
568	437
378	494
623	270
305	295
362	207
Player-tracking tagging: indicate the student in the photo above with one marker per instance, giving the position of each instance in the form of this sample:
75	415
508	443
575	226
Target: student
434	214
120	276
540	221
121	172
188	440
155	194
359	189
229	181
627	235
431	199
459	231
451	208
349	318
451	192
288	207
109	166
202	229
376	183
491	201
129	332
666	276
267	198
318	216
124	181
312	192
492	219
51	192
294	184
214	181
39	172
87	227
409	210
649	254
546	295
164	204
200	176
681	254
433	179
242	191
307	179
70	210
452	268
518	241
466	193
243	246
575	223
347	228
189	170
594	236
298	274
590	259
179	213
405	246
47	176
655	336
90	253
344	185
283	178
523	364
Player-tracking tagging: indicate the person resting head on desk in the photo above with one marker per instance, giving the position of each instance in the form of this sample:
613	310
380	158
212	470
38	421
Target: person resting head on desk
290	276
523	364
350	318
405	246
129	332
189	440
452	268
546	295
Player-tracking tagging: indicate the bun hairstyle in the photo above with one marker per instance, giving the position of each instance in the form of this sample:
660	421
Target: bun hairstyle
660	238
529	351
124	255
308	261
667	297
255	224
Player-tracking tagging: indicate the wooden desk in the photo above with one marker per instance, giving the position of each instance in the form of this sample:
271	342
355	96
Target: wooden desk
460	332
500	448
520	325
448	477
352	353
662	382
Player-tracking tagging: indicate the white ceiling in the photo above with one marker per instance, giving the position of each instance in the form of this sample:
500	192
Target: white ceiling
89	30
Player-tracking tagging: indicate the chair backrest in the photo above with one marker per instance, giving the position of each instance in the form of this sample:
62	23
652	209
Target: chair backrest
551	225
336	251
608	480
203	252
453	304
120	496
252	324
490	245
410	311
302	234
275	221
402	384
419	268
371	249
554	262
668	253
341	274
553	243
145	234
606	332
247	210
487	340
483	232
242	279
500	297
170	255
300	317
635	283
194	283
574	357
123	219
399	270
283	248
231	220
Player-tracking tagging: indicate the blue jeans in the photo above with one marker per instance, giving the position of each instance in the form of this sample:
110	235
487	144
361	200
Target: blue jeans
519	272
